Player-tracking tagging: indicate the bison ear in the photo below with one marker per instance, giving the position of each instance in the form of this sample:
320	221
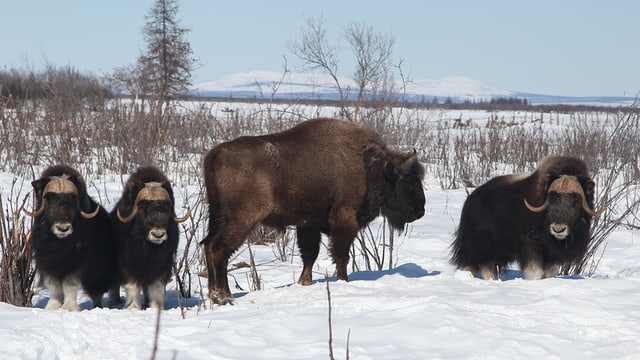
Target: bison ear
390	173
411	165
372	153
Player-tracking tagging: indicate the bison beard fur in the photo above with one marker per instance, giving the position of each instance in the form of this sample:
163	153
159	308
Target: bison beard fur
147	236
71	239
322	176
497	227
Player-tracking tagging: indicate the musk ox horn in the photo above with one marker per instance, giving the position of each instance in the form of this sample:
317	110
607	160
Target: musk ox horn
152	191
588	210
566	184
536	209
90	215
34	213
126	219
184	218
60	185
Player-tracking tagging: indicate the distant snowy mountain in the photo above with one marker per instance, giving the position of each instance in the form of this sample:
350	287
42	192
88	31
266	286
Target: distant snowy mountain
268	84
264	83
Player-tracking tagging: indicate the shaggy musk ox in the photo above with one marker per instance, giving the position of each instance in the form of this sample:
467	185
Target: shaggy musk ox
541	220
71	239
147	236
322	176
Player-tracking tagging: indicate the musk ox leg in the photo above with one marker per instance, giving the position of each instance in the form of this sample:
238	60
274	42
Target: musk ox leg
132	292
487	271
154	295
96	300
309	245
56	295
70	287
114	295
532	270
551	270
343	229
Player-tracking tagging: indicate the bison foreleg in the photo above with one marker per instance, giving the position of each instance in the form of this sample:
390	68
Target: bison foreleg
309	245
344	228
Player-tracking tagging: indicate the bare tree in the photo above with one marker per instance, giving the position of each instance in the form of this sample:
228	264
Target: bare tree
316	53
373	53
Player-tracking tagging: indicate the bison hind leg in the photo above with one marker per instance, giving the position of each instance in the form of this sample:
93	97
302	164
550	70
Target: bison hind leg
219	297
309	245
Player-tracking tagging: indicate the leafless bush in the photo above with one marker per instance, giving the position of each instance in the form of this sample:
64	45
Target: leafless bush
16	272
374	247
615	168
188	265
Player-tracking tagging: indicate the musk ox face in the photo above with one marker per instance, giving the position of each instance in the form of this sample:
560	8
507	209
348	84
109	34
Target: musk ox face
562	213
152	211
154	216
60	211
59	204
406	202
565	203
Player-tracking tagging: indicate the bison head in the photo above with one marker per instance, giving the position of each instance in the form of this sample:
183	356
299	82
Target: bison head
59	202
404	200
153	209
565	201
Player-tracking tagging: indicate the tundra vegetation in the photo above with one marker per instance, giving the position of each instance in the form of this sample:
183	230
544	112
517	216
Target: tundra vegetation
76	120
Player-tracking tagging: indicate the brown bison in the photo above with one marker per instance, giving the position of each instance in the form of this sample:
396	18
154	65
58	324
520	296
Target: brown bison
322	176
499	224
147	236
71	239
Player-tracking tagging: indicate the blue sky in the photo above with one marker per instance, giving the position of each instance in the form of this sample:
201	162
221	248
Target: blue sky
568	47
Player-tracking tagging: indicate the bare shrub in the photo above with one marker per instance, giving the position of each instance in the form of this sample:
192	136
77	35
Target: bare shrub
374	247
16	271
615	168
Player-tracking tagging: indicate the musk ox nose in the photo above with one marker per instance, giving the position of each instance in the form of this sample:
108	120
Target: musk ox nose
157	235
560	231
62	229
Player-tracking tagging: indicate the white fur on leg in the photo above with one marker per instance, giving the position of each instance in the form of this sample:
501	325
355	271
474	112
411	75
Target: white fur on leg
486	271
155	292
55	293
551	271
70	287
533	271
132	292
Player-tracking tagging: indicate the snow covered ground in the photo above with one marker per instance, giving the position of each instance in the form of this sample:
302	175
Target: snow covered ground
421	309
